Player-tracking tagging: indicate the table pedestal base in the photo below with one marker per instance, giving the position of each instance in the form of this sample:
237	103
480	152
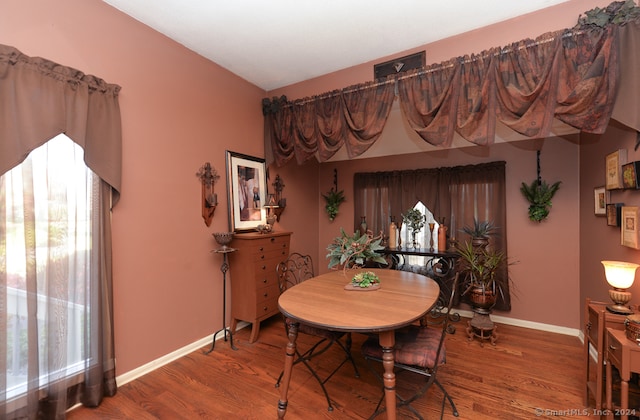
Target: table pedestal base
482	326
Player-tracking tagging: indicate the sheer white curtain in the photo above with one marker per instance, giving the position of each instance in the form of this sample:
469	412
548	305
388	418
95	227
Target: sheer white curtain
48	215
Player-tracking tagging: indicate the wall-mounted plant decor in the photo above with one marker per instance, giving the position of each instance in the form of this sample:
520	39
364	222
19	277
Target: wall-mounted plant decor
333	198
539	195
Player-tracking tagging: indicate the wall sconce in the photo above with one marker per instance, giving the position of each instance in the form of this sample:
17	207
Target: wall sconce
620	276
271	207
281	202
208	177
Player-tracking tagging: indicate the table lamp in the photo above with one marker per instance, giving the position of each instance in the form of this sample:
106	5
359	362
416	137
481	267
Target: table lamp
620	276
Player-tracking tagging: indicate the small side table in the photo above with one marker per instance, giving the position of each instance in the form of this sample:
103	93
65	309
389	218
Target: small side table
625	356
224	250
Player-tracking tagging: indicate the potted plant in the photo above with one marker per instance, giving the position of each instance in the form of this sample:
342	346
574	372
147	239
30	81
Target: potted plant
480	232
354	250
333	200
481	268
539	195
415	221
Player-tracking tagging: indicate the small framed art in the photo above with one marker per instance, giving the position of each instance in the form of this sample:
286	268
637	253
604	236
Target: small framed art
613	169
600	199
246	190
614	212
631	175
629	228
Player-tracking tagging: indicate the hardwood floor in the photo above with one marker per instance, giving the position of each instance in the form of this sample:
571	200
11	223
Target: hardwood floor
527	374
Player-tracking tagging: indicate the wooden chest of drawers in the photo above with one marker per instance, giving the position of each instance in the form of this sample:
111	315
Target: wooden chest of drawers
253	279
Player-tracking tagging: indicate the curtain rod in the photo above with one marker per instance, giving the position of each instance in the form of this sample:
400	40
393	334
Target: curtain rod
433	68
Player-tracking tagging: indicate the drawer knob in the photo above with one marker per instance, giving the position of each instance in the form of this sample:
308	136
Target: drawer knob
265	294
612	347
262	257
265	309
261	248
264	280
264	267
273	239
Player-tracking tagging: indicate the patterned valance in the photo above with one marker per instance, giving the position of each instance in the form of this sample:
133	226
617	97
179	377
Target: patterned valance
571	75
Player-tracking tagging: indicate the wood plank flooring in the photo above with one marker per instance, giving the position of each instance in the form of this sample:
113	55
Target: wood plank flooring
527	374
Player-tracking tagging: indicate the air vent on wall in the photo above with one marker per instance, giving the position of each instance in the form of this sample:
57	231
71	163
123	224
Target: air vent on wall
399	65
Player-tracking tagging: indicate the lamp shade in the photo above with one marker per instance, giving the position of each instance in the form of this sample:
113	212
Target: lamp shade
620	275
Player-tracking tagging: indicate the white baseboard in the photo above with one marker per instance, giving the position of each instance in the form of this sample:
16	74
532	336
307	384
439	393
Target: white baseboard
155	364
527	324
168	358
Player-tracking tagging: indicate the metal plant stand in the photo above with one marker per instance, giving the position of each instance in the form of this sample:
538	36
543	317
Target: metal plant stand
224	250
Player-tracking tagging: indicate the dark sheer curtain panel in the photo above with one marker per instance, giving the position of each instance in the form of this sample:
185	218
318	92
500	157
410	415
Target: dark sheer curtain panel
459	194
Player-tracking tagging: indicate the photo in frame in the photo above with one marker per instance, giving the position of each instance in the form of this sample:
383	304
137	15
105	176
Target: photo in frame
614	213
613	169
246	191
629	227
600	198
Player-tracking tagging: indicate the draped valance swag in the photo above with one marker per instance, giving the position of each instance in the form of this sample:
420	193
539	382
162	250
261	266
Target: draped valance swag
40	99
581	76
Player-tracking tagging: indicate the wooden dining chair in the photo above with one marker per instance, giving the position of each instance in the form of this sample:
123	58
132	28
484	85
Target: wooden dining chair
418	349
294	270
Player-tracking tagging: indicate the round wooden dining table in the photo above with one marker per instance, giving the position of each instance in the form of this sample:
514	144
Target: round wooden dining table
323	301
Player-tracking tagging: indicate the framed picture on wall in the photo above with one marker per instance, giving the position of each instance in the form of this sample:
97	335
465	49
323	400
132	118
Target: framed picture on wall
631	175
613	169
600	199
629	228
246	191
614	213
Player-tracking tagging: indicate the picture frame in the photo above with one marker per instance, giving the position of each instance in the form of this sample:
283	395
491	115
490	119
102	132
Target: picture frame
613	169
246	191
629	227
600	198
614	214
630	175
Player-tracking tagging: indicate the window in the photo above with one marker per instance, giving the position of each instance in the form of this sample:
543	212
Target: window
47	231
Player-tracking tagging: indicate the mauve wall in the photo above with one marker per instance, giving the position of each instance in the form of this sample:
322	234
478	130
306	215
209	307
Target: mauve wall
178	111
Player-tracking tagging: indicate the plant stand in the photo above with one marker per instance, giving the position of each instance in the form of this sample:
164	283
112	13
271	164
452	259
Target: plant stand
224	268
483	327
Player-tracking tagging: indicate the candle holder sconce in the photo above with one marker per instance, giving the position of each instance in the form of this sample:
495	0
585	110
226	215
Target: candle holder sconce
208	177
278	186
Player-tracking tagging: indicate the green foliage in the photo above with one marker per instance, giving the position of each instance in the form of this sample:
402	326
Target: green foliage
333	200
353	250
365	279
482	266
539	195
480	229
414	219
617	13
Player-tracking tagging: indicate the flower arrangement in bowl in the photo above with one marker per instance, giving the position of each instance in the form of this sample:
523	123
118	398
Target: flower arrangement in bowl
415	221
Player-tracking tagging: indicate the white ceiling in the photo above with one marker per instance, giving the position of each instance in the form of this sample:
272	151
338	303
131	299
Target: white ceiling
274	43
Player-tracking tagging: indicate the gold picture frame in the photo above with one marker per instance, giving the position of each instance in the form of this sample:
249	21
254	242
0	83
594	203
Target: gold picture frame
613	169
629	228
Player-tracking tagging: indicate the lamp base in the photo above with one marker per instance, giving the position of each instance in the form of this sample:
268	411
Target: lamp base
619	309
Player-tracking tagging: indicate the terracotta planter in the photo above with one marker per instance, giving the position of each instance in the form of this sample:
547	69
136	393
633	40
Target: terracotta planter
482	299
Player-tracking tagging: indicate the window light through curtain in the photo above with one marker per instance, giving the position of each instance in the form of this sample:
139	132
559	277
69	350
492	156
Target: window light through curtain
48	229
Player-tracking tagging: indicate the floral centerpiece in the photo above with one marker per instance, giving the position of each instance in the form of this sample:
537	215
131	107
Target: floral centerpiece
415	221
351	251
